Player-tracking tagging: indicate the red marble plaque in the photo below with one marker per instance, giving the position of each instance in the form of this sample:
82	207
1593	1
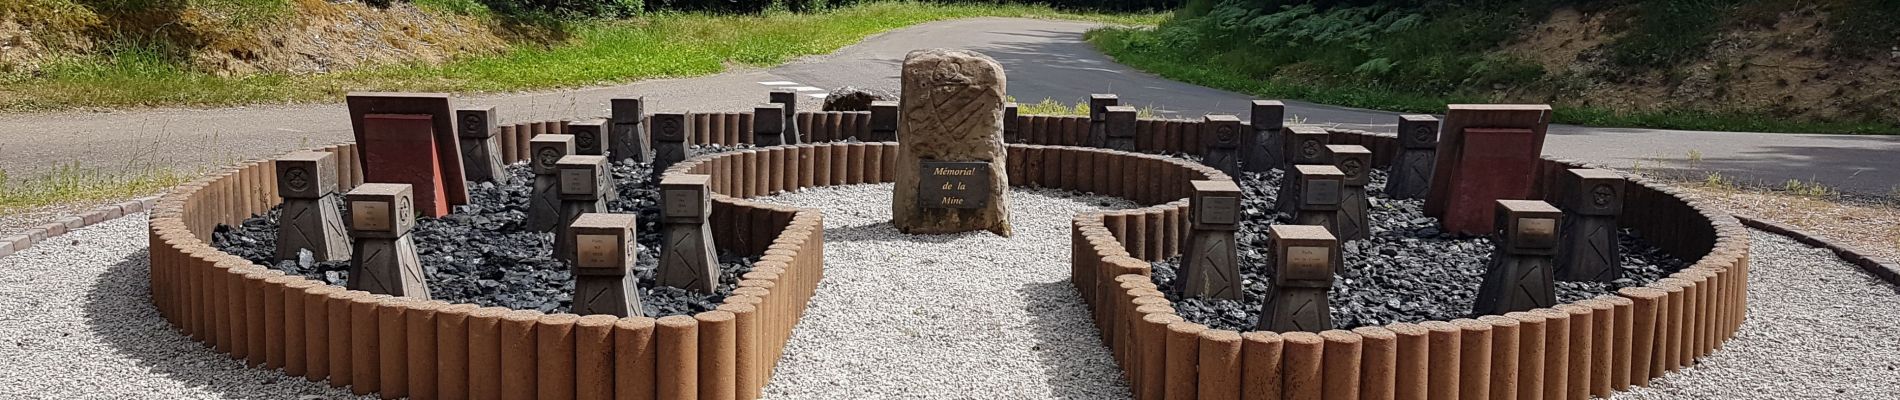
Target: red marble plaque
1451	141
398	148
1500	164
447	153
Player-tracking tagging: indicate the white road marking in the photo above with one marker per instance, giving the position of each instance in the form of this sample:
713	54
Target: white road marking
817	95
805	89
778	83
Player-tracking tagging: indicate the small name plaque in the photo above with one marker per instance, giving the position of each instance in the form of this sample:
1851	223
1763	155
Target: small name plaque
947	184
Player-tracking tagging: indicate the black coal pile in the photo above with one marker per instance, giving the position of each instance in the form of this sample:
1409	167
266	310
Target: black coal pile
481	255
1408	271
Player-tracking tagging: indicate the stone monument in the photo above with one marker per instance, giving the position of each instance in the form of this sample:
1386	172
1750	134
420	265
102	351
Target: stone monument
787	100
410	138
670	132
602	262
1098	118
544	203
1120	127
687	254
584	185
627	134
1486	152
381	215
481	154
1220	141
1262	151
1304	259
1320	189
1410	175
1355	162
1519	277
309	220
950	176
590	137
1301	145
1210	265
883	121
1592	198
768	125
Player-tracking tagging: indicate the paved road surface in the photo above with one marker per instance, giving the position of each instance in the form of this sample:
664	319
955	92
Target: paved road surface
1044	59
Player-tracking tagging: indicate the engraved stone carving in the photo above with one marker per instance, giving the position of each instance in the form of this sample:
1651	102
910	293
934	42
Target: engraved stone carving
952	111
1354	161
544	204
768	125
687	256
787	100
626	131
1120	127
1262	150
670	133
1587	249
1302	145
590	137
1410	175
481	154
385	262
884	121
1320	190
1520	276
1098	118
1303	273
309	219
602	263
1211	262
1220	143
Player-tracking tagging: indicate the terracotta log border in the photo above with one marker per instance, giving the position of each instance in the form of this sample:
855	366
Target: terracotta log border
1573	350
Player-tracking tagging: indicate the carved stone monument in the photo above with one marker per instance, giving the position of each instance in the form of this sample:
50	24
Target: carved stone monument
950	176
585	186
1486	152
602	262
687	256
1098	118
1592	198
1210	265
1304	259
544	203
1302	145
670	132
1320	189
1410	175
627	133
1519	277
309	220
381	215
1356	162
1262	150
768	125
410	138
787	100
590	137
1220	141
1120	126
883	121
481	154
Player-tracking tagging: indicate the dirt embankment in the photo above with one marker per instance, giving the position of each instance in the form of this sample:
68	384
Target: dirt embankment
308	36
1780	66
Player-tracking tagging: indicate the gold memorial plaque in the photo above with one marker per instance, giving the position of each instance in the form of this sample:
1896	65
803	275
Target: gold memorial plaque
1538	232
577	181
1309	263
597	251
682	203
369	216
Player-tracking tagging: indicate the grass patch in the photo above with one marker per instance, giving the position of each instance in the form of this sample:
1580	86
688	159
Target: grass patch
1050	106
73	184
1137	48
660	45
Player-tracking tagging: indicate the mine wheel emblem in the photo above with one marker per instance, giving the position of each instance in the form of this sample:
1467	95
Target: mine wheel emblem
670	128
586	140
1309	149
1225	134
1423	134
298	178
1603	195
548	156
472	124
1352	167
404	209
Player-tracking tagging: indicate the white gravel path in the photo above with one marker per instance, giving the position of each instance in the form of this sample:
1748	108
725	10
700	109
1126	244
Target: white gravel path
1817	328
76	321
965	316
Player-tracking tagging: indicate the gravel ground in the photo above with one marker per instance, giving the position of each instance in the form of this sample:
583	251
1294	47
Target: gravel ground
969	315
76	321
1817	328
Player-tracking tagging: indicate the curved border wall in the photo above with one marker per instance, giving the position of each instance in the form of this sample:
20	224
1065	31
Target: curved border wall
1576	350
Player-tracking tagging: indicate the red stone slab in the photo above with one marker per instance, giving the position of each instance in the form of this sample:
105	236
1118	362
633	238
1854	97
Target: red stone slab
1451	141
1502	165
394	152
447	154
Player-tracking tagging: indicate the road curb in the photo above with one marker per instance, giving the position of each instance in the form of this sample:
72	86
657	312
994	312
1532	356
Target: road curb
1886	271
28	238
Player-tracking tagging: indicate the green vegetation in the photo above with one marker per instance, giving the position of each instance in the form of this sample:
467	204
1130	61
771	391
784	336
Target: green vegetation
1416	56
73	184
593	52
1049	106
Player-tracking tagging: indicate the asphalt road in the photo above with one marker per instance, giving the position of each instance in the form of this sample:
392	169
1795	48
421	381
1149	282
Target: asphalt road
1044	59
